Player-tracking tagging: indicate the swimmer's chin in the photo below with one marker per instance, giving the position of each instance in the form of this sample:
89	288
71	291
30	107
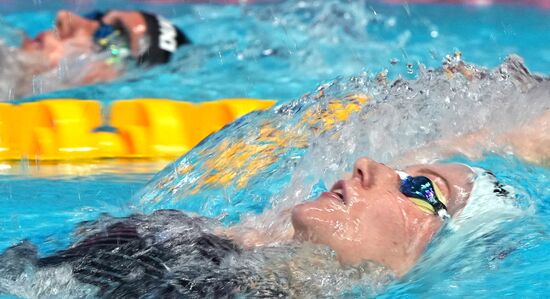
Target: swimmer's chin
299	219
305	225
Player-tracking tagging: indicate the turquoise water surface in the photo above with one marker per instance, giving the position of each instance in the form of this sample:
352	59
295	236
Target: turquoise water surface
285	50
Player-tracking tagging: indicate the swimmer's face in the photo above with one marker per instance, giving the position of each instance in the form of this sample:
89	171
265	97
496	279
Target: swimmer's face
72	34
373	220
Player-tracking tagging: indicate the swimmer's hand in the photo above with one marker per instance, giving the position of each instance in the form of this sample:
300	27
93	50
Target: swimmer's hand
134	24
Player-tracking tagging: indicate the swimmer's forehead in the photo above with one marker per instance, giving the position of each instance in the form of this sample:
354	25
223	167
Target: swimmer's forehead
439	168
445	171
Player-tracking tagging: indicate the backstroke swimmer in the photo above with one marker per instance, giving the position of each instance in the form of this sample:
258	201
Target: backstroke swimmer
377	216
84	49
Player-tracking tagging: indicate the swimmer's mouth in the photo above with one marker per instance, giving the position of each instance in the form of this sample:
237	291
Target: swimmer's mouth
338	191
37	42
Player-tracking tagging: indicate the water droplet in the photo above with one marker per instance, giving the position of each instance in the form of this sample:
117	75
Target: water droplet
458	56
374	12
267	52
410	68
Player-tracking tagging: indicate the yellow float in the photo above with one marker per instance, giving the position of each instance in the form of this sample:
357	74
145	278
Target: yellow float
69	129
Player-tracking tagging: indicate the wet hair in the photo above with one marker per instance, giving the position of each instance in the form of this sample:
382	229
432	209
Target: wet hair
168	254
163	255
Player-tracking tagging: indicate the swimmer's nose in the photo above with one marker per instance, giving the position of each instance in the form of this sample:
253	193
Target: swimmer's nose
368	170
361	171
62	23
67	23
26	41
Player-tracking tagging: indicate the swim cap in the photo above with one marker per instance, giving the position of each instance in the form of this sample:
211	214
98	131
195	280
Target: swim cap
162	40
489	200
485	182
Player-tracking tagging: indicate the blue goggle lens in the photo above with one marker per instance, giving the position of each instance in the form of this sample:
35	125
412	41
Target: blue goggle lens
419	187
423	188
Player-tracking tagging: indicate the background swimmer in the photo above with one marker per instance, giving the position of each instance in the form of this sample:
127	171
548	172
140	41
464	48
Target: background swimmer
95	47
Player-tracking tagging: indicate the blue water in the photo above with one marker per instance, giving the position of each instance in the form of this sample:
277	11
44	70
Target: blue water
283	51
46	209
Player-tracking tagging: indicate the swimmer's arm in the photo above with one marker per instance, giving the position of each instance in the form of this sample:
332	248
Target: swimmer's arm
530	142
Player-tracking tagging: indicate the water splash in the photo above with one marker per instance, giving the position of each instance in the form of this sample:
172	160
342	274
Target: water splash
276	159
353	117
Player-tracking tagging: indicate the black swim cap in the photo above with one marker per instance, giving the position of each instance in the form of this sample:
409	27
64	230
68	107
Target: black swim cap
163	39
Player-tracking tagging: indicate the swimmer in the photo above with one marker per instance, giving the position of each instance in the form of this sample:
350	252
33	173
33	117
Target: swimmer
89	48
376	216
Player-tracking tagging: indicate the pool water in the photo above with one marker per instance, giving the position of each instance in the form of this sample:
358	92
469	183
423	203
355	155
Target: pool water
283	51
45	208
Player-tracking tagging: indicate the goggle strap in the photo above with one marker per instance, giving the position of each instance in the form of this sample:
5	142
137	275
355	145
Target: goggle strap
439	194
423	205
443	214
428	208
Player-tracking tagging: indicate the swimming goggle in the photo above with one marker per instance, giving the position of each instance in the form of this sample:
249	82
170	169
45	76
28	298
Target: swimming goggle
424	193
110	38
104	30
